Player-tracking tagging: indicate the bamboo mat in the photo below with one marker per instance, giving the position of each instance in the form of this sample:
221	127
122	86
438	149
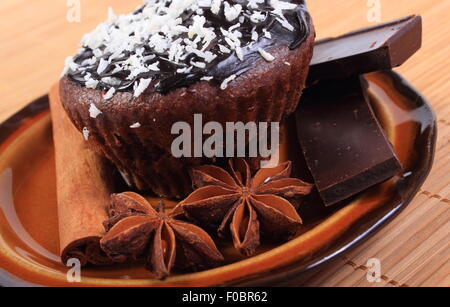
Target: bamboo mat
414	248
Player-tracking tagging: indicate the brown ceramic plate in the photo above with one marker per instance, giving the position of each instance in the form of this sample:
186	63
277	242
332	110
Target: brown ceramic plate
29	226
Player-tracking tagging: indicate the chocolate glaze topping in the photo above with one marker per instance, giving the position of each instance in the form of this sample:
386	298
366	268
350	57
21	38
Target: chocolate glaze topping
268	24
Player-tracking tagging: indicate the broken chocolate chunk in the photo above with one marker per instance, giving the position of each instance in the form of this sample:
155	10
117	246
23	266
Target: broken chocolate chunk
372	49
344	145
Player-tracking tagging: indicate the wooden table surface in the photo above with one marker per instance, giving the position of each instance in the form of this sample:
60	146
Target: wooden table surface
414	249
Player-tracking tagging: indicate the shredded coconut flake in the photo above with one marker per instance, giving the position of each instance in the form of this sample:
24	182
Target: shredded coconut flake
184	70
286	24
267	56
239	53
254	3
125	178
267	34
279	5
154	66
143	85
102	66
94	111
111	16
257	17
135	126
215	6
199	64
232	12
255	36
86	133
91	83
224	49
97	53
69	65
109	94
225	82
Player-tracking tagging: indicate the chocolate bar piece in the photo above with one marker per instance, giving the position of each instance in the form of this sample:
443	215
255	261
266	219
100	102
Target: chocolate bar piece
372	49
344	146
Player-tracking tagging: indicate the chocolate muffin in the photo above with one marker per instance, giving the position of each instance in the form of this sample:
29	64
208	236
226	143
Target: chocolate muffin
138	74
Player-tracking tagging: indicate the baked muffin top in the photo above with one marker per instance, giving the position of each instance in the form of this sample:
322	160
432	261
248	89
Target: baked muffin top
175	43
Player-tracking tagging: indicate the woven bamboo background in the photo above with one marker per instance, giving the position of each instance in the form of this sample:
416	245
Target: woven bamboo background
414	249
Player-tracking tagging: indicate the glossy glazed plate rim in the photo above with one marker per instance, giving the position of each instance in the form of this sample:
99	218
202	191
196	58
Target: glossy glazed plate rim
294	268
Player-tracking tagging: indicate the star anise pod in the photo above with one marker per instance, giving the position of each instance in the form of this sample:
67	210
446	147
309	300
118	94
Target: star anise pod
244	206
137	230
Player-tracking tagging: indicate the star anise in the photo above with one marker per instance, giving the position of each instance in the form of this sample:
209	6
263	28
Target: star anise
137	230
246	206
